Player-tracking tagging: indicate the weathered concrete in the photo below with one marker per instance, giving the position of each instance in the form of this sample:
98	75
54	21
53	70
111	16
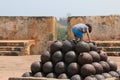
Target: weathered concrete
40	29
104	27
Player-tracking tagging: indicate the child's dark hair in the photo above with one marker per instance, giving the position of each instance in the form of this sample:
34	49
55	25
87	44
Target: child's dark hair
90	27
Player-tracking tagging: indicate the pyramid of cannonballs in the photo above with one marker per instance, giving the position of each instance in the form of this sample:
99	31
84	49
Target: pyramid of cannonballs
75	61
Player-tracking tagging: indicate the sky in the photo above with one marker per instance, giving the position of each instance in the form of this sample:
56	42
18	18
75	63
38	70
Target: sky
59	8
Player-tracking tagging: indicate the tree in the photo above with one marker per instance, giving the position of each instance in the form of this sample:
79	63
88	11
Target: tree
62	34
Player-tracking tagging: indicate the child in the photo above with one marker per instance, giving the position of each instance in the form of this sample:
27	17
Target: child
79	29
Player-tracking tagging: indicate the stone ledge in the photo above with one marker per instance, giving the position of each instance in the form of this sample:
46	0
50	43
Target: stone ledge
33	78
42	78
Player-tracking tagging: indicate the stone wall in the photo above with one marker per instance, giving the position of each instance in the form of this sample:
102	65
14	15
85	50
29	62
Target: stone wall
40	29
104	27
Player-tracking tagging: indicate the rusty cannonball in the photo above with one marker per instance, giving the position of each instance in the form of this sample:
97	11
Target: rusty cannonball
82	47
60	67
36	67
95	56
87	70
98	67
76	77
73	68
106	67
114	74
70	57
27	74
55	46
39	74
92	77
93	46
99	77
106	75
62	76
51	75
67	46
103	56
47	67
57	57
45	56
85	58
113	65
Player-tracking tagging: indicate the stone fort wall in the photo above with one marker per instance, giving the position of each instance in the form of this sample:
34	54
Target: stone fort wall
40	29
104	27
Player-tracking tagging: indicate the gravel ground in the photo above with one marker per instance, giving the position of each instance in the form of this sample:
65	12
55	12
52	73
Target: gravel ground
15	66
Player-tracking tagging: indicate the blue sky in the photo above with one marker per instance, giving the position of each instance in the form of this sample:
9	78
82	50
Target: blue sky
59	8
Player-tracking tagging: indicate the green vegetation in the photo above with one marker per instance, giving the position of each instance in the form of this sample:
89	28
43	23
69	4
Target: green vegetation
62	31
62	34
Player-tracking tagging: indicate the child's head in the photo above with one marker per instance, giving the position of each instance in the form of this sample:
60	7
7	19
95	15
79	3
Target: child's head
89	27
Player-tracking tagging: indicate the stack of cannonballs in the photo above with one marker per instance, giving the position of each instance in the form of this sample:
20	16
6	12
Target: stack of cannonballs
75	61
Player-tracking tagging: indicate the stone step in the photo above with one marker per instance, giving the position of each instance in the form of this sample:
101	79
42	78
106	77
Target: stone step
12	44
9	48
113	53
108	43
117	49
111	47
10	53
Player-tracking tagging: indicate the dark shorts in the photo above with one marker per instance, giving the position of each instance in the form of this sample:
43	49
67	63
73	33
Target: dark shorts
77	33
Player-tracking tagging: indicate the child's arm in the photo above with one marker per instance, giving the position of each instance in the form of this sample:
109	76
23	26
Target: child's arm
88	35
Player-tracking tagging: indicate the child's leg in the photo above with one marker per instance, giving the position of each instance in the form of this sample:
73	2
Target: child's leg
80	39
76	38
75	34
78	35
